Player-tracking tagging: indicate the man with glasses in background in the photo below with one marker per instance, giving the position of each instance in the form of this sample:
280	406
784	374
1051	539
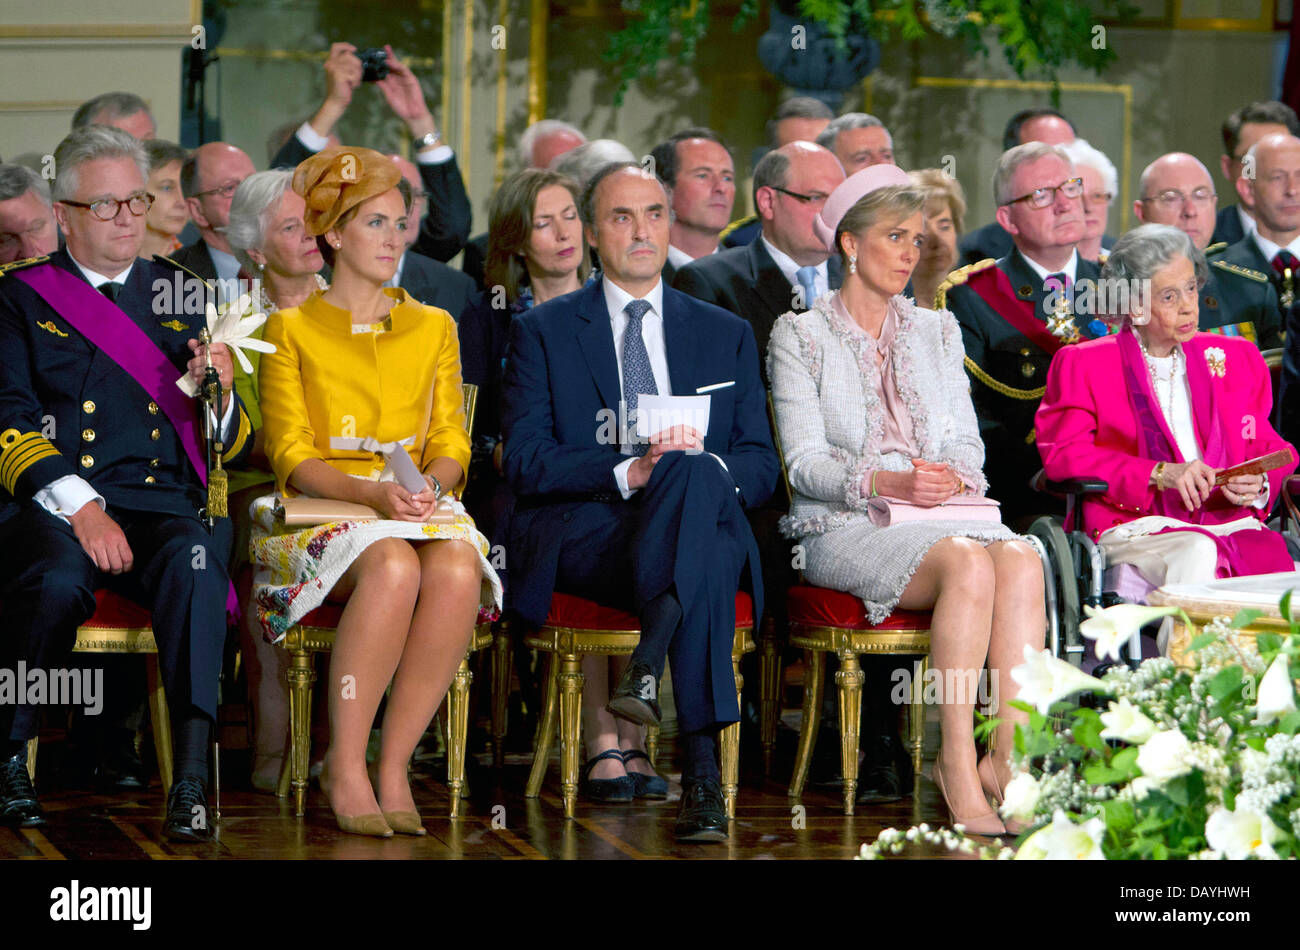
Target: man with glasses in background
209	179
1237	299
1016	312
1241	130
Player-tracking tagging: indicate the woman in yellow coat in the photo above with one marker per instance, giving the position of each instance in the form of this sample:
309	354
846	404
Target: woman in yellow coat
361	372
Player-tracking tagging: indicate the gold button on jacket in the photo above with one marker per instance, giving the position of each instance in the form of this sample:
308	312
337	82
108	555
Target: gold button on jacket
153	408
87	435
88	406
87	461
155	435
323	381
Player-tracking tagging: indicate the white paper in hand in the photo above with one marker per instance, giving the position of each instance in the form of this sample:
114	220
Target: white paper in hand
405	472
657	413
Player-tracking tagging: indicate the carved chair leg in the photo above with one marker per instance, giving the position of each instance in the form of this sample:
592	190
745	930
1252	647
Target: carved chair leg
31	759
545	728
570	689
814	668
729	739
501	668
916	714
652	742
769	682
849	678
301	675
162	724
457	732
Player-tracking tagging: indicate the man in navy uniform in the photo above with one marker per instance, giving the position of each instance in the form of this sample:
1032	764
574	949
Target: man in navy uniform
1016	312
1241	130
1236	300
100	462
656	527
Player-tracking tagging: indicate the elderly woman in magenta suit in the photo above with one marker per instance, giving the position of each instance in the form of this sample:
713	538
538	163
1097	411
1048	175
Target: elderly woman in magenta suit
1157	410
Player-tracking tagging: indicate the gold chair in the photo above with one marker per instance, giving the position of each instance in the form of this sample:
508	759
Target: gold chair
823	621
120	626
315	634
576	627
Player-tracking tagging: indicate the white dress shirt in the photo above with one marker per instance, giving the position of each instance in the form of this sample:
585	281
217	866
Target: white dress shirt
1071	266
1248	225
70	493
679	258
313	141
788	266
1269	249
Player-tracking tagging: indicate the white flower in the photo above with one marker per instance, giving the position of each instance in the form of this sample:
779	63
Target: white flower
1276	694
1165	756
1126	722
1021	797
1043	679
233	324
1063	840
1242	834
1113	627
1141	787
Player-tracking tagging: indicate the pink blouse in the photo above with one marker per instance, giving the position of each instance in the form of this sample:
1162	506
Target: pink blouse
897	434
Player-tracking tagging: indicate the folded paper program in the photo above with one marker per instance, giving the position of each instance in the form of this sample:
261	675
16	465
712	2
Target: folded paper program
656	414
398	466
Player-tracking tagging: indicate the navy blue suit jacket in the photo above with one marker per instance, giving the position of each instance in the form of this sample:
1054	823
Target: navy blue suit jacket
562	380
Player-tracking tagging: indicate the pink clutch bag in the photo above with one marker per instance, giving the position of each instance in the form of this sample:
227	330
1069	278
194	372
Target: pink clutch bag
884	511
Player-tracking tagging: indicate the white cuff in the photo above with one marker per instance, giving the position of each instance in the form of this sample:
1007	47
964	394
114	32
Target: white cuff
1262	502
437	156
620	476
66	496
311	139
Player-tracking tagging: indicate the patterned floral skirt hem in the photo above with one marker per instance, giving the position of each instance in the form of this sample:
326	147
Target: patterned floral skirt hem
296	568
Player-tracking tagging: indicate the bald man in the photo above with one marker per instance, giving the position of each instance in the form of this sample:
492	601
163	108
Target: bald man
1241	130
1237	300
428	281
209	178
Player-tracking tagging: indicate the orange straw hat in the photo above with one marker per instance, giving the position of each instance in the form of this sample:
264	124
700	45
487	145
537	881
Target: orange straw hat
336	180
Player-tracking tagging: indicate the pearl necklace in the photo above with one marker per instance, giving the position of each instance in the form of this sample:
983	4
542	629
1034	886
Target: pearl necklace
1166	408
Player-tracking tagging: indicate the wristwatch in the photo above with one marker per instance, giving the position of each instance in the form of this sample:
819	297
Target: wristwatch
427	140
437	487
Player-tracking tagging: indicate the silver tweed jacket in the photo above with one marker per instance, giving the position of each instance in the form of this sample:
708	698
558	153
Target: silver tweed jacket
825	389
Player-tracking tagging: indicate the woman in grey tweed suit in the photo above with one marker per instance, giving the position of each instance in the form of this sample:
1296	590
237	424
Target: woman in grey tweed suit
871	398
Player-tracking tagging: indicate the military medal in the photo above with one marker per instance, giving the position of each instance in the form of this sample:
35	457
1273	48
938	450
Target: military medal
1288	287
1060	322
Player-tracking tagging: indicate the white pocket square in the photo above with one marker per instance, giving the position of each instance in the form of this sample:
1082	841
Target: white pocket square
709	389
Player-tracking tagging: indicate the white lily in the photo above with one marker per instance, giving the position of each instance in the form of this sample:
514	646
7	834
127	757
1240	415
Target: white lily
1063	840
233	324
1043	679
1165	756
1127	723
1113	627
1020	797
1276	694
1242	834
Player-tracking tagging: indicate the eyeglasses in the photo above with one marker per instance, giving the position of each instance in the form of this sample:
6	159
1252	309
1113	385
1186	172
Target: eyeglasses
1098	197
226	190
1041	198
106	209
1173	198
817	197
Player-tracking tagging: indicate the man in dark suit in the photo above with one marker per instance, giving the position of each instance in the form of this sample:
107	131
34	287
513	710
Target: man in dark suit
445	228
100	463
1027	125
1236	299
27	227
1015	313
1241	130
787	267
209	179
696	167
428	281
656	527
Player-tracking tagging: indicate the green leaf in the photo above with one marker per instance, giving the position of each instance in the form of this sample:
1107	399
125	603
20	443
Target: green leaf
1245	617
1226	682
1289	724
1268	644
1119	815
1200	641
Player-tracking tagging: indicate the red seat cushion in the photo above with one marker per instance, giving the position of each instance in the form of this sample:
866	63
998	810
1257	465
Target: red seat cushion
115	612
578	613
326	615
823	607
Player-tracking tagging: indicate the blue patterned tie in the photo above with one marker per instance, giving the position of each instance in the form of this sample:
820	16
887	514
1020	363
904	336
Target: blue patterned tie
807	277
638	379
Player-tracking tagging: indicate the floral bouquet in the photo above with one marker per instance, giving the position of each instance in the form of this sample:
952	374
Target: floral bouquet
1198	761
233	323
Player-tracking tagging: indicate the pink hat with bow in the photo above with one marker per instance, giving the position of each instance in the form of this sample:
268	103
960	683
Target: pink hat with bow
849	192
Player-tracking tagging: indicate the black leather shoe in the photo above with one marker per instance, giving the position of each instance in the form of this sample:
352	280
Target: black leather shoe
886	772
18	804
636	698
188	820
703	815
120	766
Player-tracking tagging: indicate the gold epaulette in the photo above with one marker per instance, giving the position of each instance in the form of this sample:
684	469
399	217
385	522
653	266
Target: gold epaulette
1240	271
25	262
167	261
998	387
959	276
1218	248
736	225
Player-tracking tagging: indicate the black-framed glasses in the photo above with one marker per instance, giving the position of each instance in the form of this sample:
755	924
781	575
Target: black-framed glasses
1172	198
806	199
106	209
225	190
1041	198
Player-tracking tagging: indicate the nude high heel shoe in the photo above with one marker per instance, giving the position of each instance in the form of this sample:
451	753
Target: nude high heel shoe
987	824
373	825
993	788
405	822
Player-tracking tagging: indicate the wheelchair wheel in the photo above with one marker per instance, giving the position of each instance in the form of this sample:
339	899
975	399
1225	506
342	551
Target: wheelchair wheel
1064	578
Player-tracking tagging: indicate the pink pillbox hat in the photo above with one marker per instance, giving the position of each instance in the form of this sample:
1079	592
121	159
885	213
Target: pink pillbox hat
849	192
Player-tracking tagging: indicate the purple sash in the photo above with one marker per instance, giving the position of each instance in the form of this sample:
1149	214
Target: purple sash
106	326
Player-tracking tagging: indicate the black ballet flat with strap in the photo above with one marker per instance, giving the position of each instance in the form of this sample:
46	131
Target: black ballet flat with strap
612	790
653	787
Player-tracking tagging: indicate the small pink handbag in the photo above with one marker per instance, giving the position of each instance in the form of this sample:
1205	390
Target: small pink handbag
884	511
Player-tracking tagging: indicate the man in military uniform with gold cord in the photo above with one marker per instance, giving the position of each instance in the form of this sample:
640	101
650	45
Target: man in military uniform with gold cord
1236	300
103	465
1018	311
